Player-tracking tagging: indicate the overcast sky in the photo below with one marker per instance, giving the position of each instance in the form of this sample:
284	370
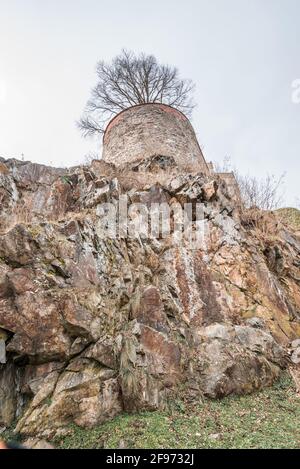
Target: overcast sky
243	56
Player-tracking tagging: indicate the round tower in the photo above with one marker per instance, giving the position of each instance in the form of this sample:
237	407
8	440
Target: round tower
152	129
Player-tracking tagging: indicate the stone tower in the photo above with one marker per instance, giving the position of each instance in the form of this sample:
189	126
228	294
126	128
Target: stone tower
152	129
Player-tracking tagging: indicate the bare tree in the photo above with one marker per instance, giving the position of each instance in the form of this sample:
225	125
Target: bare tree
225	166
91	156
129	80
261	193
265	193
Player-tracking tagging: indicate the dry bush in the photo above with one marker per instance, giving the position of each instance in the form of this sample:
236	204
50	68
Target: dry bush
259	198
256	193
265	224
265	194
91	156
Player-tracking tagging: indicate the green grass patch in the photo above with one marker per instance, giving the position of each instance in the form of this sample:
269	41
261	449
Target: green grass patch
266	419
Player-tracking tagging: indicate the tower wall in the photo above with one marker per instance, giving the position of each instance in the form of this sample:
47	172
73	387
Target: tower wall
152	129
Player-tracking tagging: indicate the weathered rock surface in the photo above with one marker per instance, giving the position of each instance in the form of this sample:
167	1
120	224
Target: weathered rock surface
34	443
237	359
92	325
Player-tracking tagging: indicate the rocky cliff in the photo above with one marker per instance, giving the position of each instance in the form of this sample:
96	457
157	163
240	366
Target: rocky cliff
91	325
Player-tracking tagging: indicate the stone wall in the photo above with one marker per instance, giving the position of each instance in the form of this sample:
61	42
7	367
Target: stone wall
152	129
232	186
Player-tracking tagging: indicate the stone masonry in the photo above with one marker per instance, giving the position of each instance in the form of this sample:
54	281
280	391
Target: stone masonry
152	129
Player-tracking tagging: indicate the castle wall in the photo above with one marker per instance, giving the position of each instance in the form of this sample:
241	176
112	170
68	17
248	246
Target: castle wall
232	185
145	130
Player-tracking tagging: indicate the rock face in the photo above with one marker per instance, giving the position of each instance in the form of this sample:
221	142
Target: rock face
237	359
91	325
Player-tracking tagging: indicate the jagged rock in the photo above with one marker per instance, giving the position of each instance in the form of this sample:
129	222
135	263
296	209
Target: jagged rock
94	324
35	443
149	365
237	359
2	352
86	394
295	358
103	352
295	344
9	389
259	323
209	190
38	330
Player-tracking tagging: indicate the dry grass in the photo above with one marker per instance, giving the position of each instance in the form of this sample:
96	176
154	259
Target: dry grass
264	224
290	217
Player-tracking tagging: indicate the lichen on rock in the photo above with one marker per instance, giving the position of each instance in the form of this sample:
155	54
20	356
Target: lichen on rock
92	325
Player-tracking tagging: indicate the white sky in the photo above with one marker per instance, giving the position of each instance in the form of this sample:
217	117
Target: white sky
243	56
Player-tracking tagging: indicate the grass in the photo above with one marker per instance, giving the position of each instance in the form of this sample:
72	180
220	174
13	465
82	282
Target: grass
267	419
290	216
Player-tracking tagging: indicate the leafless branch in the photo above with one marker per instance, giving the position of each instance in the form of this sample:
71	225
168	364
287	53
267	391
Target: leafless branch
262	193
129	80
